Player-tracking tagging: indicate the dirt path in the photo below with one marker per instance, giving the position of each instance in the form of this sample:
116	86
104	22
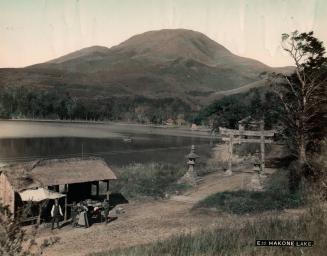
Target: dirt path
216	182
148	222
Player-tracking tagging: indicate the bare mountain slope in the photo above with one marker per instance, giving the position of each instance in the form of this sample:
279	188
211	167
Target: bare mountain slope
174	63
88	52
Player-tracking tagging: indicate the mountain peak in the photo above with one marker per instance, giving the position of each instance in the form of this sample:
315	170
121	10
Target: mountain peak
172	44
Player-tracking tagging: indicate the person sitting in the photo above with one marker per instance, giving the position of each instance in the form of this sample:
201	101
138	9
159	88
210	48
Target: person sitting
56	214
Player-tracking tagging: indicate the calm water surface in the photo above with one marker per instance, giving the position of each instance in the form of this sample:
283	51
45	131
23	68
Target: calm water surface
143	148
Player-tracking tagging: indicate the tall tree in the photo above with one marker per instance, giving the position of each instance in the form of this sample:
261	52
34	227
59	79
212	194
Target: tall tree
303	97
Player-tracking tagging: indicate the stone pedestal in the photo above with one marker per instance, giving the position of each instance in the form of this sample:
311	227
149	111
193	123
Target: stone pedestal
228	173
190	176
256	183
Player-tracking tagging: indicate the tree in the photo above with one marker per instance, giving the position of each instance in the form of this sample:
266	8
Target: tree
14	240
256	106
303	98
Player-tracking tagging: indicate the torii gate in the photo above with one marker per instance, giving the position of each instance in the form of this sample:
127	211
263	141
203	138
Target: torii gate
238	136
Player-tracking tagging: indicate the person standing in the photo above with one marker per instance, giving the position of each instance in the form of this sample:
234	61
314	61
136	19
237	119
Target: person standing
56	213
106	208
83	219
74	213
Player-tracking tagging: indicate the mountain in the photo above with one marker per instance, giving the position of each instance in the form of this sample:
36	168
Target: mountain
169	63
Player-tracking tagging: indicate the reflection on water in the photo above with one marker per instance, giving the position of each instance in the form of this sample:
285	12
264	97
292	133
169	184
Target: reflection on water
143	148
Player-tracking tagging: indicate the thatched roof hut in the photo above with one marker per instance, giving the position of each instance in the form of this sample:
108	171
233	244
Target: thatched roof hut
46	173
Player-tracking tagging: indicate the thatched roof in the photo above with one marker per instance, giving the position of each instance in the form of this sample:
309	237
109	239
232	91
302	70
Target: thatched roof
57	172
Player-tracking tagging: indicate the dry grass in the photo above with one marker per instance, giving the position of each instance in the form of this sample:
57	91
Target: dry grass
233	241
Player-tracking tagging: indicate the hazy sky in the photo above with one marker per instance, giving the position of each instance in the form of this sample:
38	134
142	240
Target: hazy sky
33	31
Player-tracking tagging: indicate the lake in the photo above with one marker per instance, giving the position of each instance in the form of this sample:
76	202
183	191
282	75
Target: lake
27	140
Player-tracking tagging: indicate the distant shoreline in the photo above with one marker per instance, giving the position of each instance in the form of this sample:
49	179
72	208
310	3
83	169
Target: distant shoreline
53	121
102	129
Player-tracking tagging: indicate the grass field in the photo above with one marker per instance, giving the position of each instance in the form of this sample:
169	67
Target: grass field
152	180
232	241
309	224
275	196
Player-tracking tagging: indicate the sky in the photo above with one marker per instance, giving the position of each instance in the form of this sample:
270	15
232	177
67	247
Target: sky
34	31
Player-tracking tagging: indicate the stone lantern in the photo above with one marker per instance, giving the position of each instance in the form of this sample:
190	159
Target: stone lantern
191	175
256	161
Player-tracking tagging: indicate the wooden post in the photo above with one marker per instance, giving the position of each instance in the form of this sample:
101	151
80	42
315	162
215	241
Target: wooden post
262	148
97	187
211	138
39	217
12	205
241	132
65	215
107	189
231	137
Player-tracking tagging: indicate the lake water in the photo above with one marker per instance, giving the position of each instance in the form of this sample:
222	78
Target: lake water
24	141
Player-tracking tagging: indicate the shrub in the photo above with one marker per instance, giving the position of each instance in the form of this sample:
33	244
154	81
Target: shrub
152	180
16	241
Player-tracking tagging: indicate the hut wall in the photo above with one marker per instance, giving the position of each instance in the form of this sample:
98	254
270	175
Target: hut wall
7	193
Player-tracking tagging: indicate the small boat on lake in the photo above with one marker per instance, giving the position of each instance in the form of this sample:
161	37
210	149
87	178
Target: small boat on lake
127	139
